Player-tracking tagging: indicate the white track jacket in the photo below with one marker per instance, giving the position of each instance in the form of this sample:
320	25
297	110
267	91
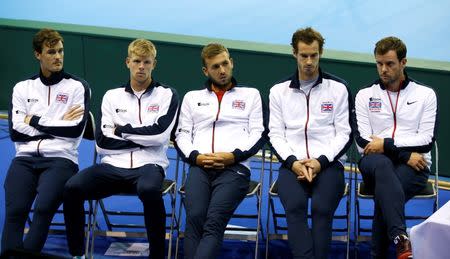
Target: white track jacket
406	119
314	124
236	125
47	100
135	131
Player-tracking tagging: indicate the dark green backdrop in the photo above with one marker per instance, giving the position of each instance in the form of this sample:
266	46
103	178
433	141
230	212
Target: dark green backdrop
98	56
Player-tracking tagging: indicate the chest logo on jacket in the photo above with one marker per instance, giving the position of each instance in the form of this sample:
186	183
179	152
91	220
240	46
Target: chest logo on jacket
202	104
153	108
120	110
374	104
238	104
326	107
62	98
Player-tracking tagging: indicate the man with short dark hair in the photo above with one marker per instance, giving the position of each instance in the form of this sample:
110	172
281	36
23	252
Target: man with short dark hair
219	128
46	121
396	127
310	130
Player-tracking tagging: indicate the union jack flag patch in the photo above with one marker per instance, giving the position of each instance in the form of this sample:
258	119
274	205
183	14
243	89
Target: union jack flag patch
62	98
238	104
153	108
374	106
326	107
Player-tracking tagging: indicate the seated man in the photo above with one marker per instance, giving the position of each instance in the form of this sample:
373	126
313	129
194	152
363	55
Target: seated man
396	125
133	136
219	128
310	131
46	121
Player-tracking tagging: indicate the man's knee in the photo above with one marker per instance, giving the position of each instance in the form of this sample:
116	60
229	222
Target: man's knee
73	188
149	191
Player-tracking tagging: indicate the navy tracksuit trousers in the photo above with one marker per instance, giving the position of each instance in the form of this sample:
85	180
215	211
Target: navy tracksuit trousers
393	185
38	179
103	180
325	192
212	196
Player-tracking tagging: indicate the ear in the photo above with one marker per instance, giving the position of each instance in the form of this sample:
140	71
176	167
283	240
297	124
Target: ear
403	62
205	71
127	62
37	55
154	63
231	63
294	53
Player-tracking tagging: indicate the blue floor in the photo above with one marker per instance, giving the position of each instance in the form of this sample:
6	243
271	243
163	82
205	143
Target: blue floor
57	245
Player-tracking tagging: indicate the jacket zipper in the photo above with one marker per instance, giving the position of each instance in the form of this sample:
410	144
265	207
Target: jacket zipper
39	143
306	124
48	104
214	124
394	110
48	99
140	121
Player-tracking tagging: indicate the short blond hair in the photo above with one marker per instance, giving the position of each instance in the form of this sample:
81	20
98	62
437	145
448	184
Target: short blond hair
141	47
212	50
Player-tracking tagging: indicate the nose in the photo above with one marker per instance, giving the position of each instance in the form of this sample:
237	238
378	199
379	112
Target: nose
221	69
308	60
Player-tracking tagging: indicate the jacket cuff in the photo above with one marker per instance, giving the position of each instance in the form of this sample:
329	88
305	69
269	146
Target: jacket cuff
193	157
289	161
390	149
403	156
389	145
121	129
238	155
34	121
323	160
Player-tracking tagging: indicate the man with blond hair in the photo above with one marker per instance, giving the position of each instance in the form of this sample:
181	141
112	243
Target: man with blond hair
46	121
219	128
132	136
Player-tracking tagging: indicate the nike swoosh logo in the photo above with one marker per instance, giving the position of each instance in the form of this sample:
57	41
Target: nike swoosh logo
408	103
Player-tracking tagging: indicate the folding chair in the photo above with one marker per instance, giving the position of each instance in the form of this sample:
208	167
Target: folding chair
279	218
430	192
115	228
252	233
57	226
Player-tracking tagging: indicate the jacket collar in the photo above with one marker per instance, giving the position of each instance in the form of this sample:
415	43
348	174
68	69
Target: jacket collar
53	79
152	85
208	84
295	83
402	87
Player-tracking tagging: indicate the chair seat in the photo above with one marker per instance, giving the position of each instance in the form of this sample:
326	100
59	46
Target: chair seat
252	188
427	192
